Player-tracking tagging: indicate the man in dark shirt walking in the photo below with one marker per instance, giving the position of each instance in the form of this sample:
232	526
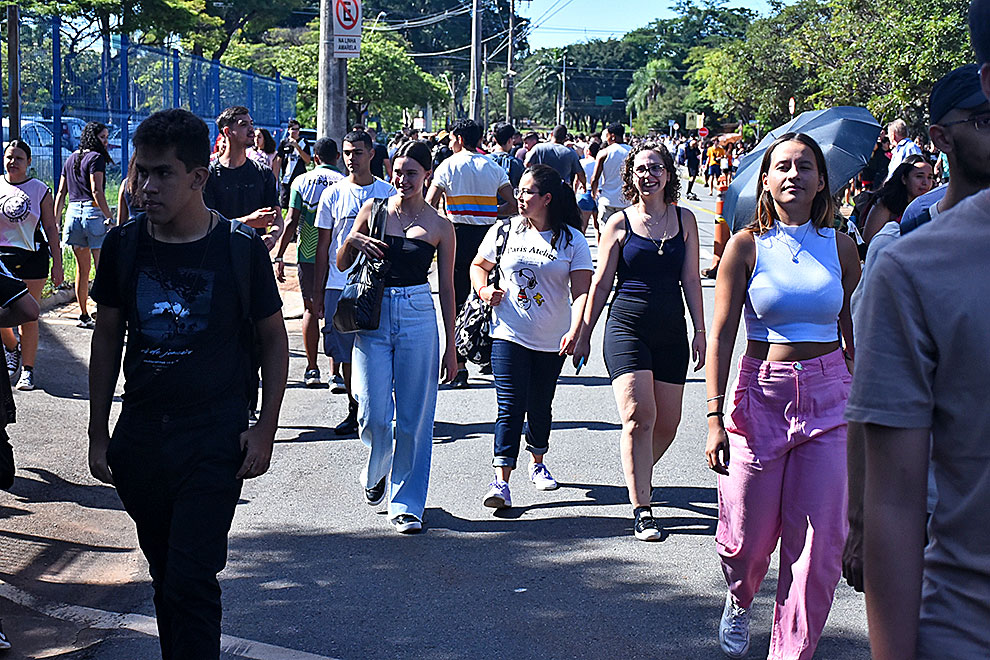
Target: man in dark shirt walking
174	280
295	154
240	188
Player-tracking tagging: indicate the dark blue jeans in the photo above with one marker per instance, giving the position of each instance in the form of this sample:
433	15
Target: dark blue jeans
176	478
525	381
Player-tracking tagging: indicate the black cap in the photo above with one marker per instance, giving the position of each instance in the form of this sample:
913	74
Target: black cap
960	88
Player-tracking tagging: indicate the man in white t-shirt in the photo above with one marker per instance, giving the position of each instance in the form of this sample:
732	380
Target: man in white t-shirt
606	182
903	147
339	206
470	185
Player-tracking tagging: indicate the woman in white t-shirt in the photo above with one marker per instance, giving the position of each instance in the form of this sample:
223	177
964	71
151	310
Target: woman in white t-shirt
28	236
544	276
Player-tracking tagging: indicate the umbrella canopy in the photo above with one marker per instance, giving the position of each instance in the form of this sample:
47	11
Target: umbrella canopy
846	135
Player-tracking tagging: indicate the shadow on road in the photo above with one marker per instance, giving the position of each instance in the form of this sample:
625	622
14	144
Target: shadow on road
53	488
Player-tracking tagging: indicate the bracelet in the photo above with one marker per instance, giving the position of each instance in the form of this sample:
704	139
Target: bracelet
715	398
699	332
278	260
715	413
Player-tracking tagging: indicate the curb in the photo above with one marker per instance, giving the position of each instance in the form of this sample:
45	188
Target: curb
57	299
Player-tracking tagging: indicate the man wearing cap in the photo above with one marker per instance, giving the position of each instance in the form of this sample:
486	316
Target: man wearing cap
955	98
921	378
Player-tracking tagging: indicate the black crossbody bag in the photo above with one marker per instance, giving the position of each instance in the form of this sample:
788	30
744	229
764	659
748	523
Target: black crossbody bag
360	304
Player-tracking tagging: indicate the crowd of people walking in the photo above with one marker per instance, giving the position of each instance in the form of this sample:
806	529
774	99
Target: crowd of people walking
501	221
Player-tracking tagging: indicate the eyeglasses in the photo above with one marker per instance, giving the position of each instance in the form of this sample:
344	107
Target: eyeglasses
655	169
527	191
980	122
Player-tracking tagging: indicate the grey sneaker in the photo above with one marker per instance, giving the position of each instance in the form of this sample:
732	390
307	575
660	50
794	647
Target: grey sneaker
733	629
541	477
26	382
498	496
13	359
4	642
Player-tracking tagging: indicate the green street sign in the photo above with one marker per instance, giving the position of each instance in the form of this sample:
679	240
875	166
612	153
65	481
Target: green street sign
603	100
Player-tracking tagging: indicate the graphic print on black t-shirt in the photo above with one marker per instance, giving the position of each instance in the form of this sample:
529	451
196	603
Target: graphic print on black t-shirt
172	308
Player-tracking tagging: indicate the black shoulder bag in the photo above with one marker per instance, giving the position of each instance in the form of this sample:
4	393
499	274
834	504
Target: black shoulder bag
472	324
360	303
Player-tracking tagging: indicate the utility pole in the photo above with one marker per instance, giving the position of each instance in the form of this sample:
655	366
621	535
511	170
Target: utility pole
485	90
508	68
474	109
563	87
14	71
331	99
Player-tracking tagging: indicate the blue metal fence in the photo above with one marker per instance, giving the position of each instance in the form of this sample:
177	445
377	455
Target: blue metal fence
70	76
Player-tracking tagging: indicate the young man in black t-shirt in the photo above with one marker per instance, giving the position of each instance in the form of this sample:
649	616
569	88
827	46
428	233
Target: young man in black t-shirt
181	446
241	188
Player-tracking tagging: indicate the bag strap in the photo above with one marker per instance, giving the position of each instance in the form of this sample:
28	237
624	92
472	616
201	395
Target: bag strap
240	260
501	238
379	218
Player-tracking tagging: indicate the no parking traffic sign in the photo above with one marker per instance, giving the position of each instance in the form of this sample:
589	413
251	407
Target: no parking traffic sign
346	28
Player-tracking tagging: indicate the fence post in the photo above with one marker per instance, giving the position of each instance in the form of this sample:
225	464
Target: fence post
56	99
125	104
278	98
175	78
250	93
215	74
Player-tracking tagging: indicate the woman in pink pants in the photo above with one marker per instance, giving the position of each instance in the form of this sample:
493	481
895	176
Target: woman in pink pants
791	274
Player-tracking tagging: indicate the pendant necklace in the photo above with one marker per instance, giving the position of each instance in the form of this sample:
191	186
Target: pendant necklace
795	253
664	237
401	215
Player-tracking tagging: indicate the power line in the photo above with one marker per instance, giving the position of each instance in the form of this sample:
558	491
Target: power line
459	48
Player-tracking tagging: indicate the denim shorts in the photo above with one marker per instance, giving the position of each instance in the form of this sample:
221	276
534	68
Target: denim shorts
336	344
85	226
586	202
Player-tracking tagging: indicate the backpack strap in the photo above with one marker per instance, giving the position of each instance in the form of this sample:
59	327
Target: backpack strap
501	238
241	237
130	234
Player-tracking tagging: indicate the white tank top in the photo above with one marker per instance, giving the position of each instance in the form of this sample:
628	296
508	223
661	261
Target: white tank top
610	183
20	212
795	293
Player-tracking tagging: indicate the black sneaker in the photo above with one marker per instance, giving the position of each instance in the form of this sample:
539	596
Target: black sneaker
406	523
350	424
645	527
86	321
4	642
374	495
460	381
486	370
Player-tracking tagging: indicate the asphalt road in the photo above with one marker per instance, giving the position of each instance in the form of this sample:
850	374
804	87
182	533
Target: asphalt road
315	572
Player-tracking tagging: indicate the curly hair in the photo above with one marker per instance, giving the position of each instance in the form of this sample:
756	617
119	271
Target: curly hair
671	191
90	140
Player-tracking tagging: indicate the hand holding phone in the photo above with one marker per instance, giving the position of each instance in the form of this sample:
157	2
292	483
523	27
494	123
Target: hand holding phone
577	370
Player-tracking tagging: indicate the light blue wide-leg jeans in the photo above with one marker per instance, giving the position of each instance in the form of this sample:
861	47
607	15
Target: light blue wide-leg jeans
396	369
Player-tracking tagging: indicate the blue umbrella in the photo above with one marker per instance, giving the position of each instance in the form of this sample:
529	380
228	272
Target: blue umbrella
846	134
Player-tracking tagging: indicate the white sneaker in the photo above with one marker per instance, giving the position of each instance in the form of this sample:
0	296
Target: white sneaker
733	629
498	496
541	477
26	382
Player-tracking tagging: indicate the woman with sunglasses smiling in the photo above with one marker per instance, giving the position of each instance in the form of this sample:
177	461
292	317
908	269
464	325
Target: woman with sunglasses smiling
544	274
652	247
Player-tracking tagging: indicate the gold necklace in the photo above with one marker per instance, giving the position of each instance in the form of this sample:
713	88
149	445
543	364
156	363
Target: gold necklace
401	215
663	237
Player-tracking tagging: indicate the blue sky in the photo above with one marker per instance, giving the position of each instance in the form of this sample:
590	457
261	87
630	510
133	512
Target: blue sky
572	21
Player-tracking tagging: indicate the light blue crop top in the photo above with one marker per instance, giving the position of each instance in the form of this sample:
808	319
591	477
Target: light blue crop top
795	293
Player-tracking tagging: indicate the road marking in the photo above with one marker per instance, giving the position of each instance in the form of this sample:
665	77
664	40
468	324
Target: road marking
146	625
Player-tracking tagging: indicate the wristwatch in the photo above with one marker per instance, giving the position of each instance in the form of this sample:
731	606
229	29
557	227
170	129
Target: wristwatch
278	260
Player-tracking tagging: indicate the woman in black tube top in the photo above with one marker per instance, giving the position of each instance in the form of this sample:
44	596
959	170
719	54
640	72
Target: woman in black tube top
652	248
